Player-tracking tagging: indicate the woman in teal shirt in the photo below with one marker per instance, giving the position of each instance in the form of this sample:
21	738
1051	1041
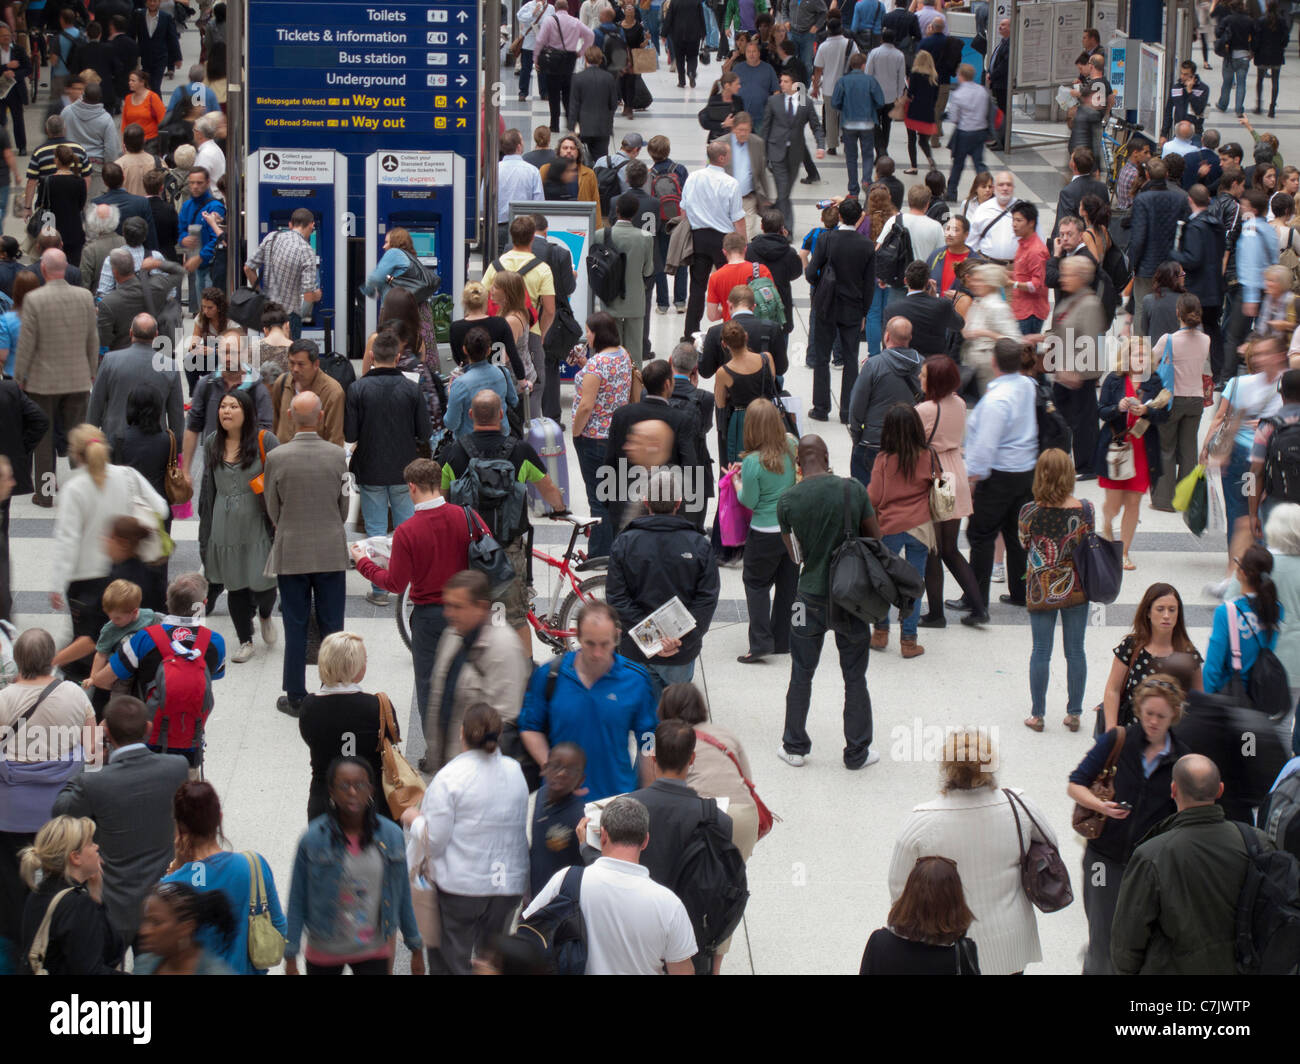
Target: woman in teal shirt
767	470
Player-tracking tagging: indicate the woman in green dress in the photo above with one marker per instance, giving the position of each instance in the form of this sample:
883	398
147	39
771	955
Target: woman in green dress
234	533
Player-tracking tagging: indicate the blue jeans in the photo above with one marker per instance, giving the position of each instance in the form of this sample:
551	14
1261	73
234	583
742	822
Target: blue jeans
591	457
650	18
855	139
906	545
680	278
861	461
968	145
427	626
1042	623
662	676
711	36
295	326
1234	69
1030	325
296	593
804	42
376	499
4	201
875	319
1236	489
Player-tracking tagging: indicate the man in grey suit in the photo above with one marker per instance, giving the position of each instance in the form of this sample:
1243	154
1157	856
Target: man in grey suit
136	293
130	801
58	356
306	493
638	248
784	118
593	99
123	371
748	165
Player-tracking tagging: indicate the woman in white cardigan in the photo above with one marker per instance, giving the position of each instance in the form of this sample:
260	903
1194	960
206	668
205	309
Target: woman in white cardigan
472	827
972	823
89	501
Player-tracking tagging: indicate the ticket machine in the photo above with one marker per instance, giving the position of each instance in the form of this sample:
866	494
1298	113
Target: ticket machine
286	179
422	192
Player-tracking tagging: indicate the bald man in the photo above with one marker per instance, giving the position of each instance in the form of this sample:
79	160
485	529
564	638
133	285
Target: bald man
306	491
58	356
1176	913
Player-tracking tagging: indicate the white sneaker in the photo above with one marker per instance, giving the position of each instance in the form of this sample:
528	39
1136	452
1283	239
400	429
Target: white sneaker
1217	591
790	759
999	574
269	631
244	652
872	758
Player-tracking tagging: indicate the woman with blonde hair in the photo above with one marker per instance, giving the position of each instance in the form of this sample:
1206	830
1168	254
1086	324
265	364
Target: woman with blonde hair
1051	529
62	869
474	301
988	320
922	99
91	499
880	217
982	828
511	297
1130	402
766	470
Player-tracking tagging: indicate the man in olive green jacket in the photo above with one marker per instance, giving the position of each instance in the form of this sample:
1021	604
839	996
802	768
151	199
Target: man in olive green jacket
1177	907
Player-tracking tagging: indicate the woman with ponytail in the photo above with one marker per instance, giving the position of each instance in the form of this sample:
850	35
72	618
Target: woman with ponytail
176	919
90	501
1257	615
471	829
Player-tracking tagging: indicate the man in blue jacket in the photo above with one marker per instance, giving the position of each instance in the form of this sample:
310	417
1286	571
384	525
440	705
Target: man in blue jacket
200	239
858	98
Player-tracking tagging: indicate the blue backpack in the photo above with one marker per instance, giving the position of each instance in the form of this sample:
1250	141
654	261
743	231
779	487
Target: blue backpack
559	929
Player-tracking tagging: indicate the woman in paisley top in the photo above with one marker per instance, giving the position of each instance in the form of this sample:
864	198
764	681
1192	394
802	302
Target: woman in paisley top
1162	645
1051	527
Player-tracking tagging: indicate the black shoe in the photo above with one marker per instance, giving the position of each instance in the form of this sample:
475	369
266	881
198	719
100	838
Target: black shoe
927	621
819	415
831	151
681	84
1007	600
958	604
1272	113
1259	110
810	180
973	620
1085	476
837	362
692	83
750	659
288	706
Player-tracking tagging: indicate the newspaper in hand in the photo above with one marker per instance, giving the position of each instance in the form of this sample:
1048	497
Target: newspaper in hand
672	620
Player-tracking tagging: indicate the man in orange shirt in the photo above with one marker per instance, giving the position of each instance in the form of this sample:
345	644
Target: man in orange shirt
1029	270
725	278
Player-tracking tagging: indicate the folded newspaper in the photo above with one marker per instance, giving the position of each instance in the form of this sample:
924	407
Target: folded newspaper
592	811
672	620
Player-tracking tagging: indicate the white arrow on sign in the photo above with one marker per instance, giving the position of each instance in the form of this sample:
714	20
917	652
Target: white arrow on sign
463	61
461	16
461	38
462	80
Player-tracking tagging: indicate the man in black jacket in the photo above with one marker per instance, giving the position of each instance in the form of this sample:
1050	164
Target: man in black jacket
659	556
127	53
387	418
1239	29
763	335
772	249
16	68
1157	210
22	426
689	398
560	260
98	55
1082	183
1000	65
841	309
160	46
934	319
1200	252
1187	102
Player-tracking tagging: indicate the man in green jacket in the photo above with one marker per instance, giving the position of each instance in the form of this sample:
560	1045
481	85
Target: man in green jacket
1176	913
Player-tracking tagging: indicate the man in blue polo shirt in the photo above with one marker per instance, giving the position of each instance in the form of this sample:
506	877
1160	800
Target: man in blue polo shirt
599	698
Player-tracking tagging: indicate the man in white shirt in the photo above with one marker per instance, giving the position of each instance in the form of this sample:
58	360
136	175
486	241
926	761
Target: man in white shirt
990	223
713	207
634	925
926	233
517	181
207	131
831	61
1182	142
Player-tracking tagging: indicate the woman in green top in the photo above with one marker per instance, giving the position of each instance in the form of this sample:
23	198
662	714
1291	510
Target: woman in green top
766	471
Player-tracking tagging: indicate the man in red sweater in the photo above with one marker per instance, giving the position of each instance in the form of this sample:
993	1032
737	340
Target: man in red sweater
428	550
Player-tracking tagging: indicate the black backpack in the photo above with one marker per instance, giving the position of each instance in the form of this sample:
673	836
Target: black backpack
1282	461
608	185
490	486
559	928
335	363
1053	429
894	254
1268	910
1279	819
606	267
1265	686
709	878
867	578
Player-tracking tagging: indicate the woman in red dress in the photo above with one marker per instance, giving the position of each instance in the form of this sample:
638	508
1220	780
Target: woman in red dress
922	98
1129	405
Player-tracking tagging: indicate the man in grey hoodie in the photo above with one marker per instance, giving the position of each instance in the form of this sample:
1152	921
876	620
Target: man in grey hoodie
93	128
892	376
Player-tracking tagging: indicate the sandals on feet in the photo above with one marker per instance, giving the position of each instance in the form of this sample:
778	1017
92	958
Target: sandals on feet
1128	564
1034	723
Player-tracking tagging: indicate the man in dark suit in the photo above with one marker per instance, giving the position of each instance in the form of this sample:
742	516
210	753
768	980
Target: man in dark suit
130	801
117	311
784	118
1000	65
160	44
128	205
560	260
1200	253
127	53
1157	210
933	318
763	335
1082	183
22	426
841	310
98	55
1068	241
15	68
688	397
593	99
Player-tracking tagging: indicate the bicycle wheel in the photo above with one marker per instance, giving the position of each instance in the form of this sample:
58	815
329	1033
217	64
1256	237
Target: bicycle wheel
591	589
403	608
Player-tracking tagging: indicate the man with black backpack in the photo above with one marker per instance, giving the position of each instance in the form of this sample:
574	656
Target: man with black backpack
488	470
1275	456
622	288
1184	891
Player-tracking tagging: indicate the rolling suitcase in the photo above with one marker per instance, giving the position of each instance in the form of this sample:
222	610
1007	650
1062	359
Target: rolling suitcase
547	439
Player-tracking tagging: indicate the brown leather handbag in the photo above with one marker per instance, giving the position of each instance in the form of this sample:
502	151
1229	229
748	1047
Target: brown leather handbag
403	786
178	489
1088	822
1042	872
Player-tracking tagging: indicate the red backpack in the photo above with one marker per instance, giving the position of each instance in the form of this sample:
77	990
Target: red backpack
180	695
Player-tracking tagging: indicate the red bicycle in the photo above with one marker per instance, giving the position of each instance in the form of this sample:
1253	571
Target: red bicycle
553	617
